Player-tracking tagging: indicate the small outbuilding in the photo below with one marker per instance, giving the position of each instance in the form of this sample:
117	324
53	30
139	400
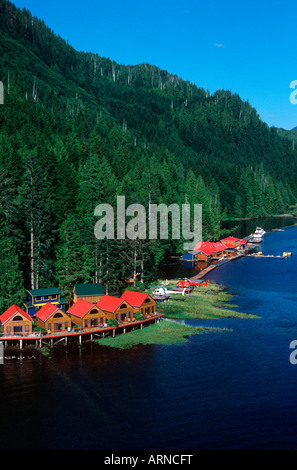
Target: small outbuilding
14	321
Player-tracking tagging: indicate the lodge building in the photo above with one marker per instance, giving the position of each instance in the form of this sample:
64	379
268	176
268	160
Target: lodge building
37	298
86	315
45	309
52	318
116	308
92	292
140	302
15	321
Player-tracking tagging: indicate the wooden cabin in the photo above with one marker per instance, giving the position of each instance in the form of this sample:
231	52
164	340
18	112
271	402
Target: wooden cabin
86	315
140	302
203	256
235	243
116	308
37	298
90	292
52	318
230	252
14	321
209	251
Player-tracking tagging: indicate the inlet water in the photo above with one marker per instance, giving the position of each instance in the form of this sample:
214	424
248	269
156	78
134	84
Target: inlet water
230	389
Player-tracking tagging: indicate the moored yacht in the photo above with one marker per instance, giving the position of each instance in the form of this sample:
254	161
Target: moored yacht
259	231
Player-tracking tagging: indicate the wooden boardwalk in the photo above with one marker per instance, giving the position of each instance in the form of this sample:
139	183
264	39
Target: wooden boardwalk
203	272
213	266
88	334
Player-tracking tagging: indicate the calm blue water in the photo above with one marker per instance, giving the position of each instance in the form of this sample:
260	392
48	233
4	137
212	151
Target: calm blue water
224	390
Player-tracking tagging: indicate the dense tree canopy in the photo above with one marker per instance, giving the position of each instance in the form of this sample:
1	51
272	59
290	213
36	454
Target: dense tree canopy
78	130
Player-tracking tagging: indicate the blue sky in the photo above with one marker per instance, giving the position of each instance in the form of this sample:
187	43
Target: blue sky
248	47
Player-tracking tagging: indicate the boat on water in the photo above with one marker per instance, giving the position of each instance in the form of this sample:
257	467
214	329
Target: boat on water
255	240
257	236
259	231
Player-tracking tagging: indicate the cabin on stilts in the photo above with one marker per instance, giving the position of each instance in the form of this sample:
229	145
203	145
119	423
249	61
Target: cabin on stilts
86	315
52	318
15	321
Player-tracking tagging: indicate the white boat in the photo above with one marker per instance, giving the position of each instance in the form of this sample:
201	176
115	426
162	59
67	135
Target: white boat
255	239
259	231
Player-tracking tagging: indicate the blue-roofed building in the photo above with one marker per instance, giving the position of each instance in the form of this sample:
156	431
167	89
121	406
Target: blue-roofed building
36	298
190	256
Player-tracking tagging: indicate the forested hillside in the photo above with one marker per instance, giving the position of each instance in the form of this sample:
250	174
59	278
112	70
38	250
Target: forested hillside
78	129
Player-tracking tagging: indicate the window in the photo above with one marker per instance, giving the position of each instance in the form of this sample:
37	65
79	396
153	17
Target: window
58	315
17	318
27	329
93	312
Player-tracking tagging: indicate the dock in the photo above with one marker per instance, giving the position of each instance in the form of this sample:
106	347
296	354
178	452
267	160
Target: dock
255	255
203	272
90	334
213	266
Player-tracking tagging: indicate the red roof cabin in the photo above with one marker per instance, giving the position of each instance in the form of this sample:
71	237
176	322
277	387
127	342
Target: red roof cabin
14	321
86	315
209	250
140	302
116	307
52	318
235	242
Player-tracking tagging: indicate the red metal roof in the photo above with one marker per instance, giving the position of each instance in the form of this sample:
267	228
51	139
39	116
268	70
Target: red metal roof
210	247
12	311
109	303
46	311
81	308
134	298
229	240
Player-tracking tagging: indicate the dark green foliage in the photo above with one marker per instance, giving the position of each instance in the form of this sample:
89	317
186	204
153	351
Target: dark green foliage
77	130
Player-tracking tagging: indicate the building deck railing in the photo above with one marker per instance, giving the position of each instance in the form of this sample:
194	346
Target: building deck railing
78	331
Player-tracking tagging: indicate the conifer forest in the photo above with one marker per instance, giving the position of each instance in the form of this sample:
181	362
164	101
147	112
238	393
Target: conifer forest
77	130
